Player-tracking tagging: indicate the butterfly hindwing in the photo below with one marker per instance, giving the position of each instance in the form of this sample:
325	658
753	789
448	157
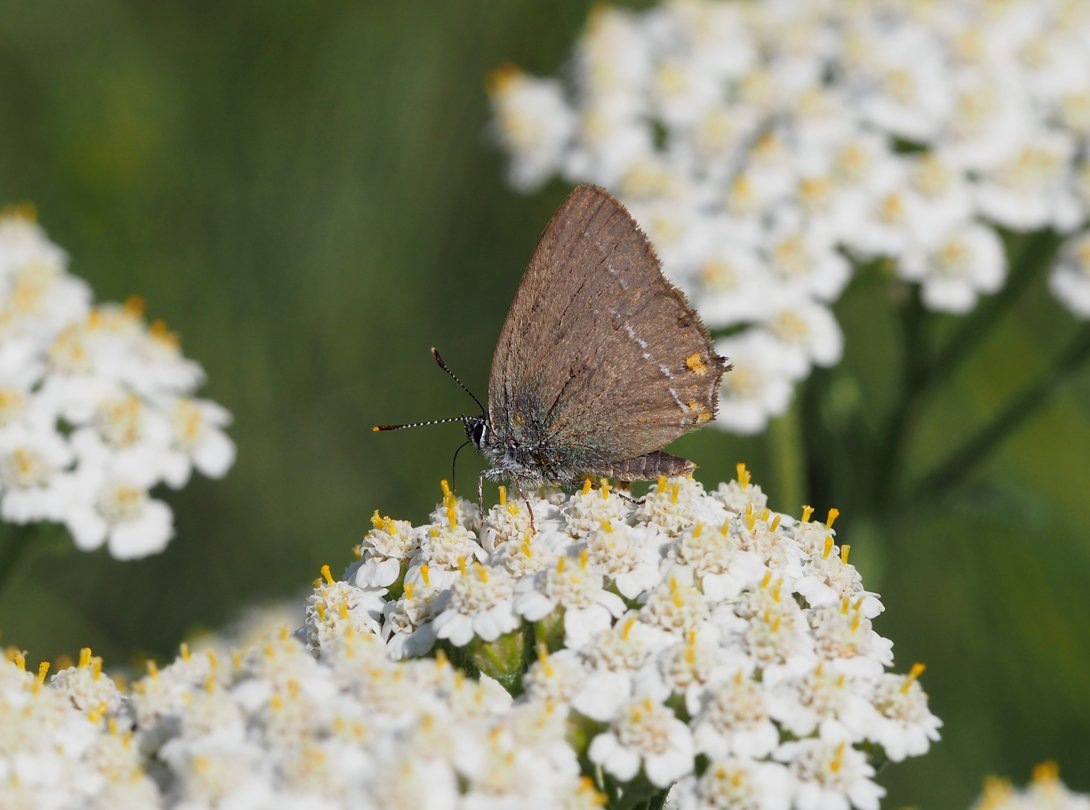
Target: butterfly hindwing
600	357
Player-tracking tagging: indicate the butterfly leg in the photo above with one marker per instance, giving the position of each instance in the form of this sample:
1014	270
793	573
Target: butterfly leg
480	496
529	509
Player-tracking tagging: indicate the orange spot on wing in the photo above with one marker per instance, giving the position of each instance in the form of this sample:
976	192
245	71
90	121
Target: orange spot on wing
696	365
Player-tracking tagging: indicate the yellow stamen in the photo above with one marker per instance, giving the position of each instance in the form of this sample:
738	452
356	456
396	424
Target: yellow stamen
767	579
675	593
326	575
856	619
845	550
834	513
452	516
482	572
501	78
743	474
443	485
43	670
607	527
462	564
604	484
828	547
698	529
96	668
319	608
183	649
661	483
408	589
424	574
584	557
628	625
674	490
1045	773
837	761
84	657
20	661
912	676
807	511
376	521
775	524
587	484
561	565
527	549
776	589
503	496
135	305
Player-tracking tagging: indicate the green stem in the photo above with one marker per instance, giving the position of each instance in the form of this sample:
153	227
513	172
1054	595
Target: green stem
984	442
916	370
1037	251
787	462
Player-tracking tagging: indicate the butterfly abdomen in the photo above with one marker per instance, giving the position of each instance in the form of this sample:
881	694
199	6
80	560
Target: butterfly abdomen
646	468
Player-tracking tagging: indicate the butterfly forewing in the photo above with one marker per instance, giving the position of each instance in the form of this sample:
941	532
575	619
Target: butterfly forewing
600	355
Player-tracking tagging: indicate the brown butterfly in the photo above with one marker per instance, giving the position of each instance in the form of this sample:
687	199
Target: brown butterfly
601	361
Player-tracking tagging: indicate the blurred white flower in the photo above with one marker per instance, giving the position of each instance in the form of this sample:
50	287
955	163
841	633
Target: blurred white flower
758	387
646	735
830	776
111	509
1070	278
94	405
956	268
534	124
1045	792
737	782
777	150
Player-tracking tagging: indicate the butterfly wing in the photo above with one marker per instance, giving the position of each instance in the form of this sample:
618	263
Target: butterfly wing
600	357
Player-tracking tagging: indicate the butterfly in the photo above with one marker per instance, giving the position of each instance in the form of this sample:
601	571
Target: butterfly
600	364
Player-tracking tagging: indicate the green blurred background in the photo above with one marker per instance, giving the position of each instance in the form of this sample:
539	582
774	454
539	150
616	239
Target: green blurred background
306	193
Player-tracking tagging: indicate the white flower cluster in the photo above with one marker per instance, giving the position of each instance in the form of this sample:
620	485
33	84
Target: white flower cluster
1045	792
772	149
95	405
57	749
603	654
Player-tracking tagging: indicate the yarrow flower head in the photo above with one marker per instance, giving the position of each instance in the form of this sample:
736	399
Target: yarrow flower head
96	405
1045	792
694	662
774	152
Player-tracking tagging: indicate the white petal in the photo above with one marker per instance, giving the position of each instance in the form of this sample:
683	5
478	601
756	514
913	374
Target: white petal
149	534
215	454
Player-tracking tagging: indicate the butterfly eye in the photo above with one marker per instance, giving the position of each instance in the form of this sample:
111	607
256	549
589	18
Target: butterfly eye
478	429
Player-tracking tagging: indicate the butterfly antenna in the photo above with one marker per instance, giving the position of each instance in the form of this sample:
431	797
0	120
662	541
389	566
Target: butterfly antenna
379	428
453	376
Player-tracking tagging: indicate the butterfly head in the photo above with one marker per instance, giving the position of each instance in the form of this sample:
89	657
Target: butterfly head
478	430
